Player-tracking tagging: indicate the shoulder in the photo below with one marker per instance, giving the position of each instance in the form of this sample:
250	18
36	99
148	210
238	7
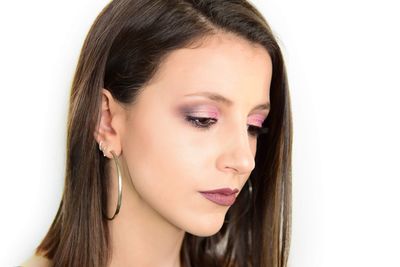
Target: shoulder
36	261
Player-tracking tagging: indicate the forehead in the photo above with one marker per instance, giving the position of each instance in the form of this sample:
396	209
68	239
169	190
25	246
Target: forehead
224	63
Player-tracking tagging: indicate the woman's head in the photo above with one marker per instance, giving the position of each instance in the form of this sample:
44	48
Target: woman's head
168	156
147	72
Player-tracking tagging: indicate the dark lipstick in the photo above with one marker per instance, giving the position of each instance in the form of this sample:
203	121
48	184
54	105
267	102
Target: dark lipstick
222	196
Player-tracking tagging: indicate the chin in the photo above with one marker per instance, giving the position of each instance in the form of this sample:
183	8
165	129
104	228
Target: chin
206	226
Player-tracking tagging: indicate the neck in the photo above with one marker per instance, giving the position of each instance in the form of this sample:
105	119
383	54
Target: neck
139	235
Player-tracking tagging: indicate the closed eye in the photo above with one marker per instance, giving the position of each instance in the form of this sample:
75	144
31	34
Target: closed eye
206	123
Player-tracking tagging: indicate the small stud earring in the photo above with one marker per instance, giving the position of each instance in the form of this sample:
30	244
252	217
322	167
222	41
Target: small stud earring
105	150
102	148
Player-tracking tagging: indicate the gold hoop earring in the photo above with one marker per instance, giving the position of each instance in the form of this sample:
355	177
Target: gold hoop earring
119	187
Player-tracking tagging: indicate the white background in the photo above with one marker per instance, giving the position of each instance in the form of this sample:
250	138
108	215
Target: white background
343	65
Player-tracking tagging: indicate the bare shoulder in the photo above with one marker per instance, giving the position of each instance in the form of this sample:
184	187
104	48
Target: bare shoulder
36	261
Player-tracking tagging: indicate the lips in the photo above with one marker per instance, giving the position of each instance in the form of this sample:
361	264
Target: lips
223	196
223	191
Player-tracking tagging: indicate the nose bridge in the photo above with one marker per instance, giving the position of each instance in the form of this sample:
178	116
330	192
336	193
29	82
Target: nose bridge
237	153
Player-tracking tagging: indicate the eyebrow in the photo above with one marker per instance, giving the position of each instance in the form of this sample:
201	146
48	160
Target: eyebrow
220	98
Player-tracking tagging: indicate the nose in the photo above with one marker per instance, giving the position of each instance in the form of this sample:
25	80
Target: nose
237	154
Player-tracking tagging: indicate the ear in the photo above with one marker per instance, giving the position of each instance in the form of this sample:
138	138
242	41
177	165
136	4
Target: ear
108	131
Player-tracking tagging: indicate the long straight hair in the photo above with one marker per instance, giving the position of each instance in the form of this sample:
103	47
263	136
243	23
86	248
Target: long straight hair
122	51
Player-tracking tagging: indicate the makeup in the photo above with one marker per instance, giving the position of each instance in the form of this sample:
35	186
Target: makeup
223	196
257	120
203	116
200	111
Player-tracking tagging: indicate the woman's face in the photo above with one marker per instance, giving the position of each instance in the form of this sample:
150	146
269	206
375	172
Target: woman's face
169	159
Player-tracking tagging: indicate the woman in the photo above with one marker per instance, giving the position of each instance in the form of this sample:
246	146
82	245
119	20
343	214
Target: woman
179	141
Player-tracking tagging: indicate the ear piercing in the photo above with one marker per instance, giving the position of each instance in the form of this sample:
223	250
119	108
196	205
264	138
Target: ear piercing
102	148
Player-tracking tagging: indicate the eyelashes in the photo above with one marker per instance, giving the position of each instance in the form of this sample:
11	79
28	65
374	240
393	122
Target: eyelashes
205	123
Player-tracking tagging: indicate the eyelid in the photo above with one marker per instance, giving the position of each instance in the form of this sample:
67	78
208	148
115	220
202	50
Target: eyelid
202	110
206	110
254	131
258	119
203	114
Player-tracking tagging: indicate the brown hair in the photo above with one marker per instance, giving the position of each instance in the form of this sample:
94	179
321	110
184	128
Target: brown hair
122	51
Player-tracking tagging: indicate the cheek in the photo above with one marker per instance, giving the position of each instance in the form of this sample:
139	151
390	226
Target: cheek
168	165
155	162
253	146
161	164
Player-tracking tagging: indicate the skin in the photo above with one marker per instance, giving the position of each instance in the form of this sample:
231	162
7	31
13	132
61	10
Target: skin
166	160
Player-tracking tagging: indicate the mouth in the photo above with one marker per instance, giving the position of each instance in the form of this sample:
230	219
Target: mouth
223	196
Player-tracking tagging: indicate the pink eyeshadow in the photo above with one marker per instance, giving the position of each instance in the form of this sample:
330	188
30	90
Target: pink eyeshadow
257	120
201	111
